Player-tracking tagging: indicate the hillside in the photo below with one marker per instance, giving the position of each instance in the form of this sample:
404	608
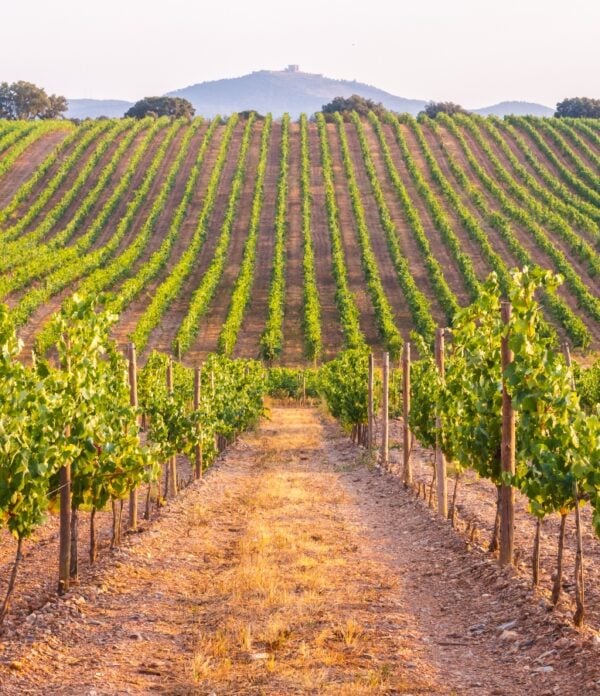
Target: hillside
281	91
278	91
515	108
93	108
372	220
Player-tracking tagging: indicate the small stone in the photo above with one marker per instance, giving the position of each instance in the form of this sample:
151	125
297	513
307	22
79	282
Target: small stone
509	635
260	656
545	669
507	626
136	636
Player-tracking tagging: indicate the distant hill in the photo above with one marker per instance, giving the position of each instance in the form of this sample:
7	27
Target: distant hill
283	90
278	91
515	108
92	108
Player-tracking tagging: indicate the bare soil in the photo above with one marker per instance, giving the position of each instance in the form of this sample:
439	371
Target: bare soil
580	267
293	347
295	567
247	345
132	313
162	336
332	335
27	163
254	320
533	146
387	271
439	249
41	315
212	322
350	245
523	235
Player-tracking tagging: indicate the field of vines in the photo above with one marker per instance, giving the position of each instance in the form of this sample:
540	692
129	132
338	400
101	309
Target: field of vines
290	241
159	278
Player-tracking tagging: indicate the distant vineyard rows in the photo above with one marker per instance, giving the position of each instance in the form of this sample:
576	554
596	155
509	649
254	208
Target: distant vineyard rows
292	241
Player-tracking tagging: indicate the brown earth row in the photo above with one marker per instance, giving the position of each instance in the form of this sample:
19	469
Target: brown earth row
580	267
519	154
332	335
162	224
253	324
566	159
533	146
350	245
131	314
247	345
212	322
26	164
69	180
293	346
522	235
41	315
162	337
387	272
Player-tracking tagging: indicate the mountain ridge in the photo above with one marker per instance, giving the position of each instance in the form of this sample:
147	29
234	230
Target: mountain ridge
278	91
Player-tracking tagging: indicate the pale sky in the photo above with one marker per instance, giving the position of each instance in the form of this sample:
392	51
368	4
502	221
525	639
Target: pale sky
474	52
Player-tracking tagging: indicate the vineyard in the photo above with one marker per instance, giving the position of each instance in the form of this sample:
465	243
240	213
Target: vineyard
290	241
434	283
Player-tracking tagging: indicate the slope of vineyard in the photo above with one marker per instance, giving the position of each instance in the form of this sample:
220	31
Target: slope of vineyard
386	226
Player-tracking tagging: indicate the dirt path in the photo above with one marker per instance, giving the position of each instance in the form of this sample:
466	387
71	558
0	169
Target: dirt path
293	568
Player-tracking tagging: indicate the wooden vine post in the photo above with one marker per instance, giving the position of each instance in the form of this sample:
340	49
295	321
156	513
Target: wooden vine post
64	534
507	492
64	551
172	464
407	435
579	584
198	447
133	400
440	460
371	410
385	455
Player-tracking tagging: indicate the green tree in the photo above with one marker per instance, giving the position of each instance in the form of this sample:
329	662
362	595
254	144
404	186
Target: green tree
161	106
578	107
24	100
432	109
345	105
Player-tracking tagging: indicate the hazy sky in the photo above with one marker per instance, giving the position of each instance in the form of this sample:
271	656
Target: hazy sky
474	52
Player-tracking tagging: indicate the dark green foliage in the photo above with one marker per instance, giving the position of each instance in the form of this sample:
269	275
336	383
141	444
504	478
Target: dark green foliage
343	384
432	109
346	105
292	383
578	107
26	101
175	107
